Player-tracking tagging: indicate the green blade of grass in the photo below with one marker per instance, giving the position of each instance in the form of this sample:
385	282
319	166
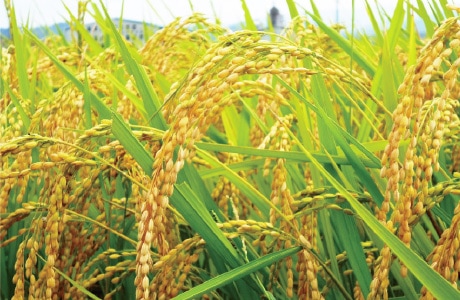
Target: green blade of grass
382	85
194	211
87	102
237	273
135	100
20	51
78	286
259	200
315	9
248	164
325	225
436	11
229	116
375	25
6	291
247	17
412	51
423	13
190	175
163	83
290	155
390	61
358	56
149	96
74	283
321	98
293	12
347	231
396	25
387	85
342	138
448	13
32	95
405	283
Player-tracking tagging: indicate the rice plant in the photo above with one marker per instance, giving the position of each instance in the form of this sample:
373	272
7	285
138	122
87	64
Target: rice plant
317	163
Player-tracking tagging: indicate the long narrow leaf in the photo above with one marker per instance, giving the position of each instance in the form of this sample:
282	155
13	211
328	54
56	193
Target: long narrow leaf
360	58
200	219
237	273
247	16
347	231
293	12
148	94
290	155
339	135
21	49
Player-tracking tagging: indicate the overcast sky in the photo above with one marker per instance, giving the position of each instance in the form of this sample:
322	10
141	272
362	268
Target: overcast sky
161	12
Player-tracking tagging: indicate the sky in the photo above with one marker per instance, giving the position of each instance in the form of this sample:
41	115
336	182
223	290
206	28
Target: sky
161	12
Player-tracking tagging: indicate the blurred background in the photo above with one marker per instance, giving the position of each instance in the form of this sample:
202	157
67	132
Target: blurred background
159	12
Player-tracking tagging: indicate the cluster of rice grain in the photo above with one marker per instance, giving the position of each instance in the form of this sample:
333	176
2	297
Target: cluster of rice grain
172	50
192	106
54	173
228	197
423	117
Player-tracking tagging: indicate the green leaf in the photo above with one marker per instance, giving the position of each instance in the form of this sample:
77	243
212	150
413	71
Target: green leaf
229	117
247	17
362	60
21	48
322	98
190	175
315	9
77	285
237	273
149	96
412	51
293	12
74	283
325	225
347	231
290	155
375	25
87	102
135	100
342	137
193	210
423	13
262	203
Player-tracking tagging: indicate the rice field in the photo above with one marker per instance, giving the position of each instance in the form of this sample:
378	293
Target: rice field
318	163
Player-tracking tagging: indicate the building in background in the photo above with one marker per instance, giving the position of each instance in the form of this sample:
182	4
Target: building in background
131	30
277	19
